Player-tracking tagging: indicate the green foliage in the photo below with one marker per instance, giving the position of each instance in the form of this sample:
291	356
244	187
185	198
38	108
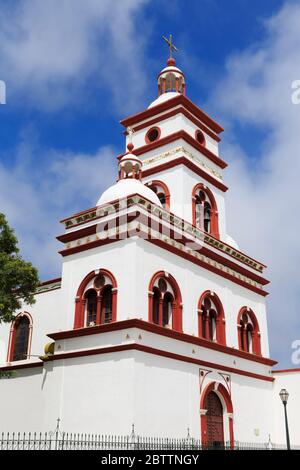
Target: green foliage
18	278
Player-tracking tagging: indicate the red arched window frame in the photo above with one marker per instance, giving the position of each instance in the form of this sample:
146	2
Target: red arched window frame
160	184
156	294
223	393
13	333
214	223
205	315
80	300
247	324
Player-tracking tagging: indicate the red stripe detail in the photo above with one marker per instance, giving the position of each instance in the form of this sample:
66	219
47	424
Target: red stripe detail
282	371
172	249
50	281
192	166
177	100
152	328
189	139
158	352
22	366
172	113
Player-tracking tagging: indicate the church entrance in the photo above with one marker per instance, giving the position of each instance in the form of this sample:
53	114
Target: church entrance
214	421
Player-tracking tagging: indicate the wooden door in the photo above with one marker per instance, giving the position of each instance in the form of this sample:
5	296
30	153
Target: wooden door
214	421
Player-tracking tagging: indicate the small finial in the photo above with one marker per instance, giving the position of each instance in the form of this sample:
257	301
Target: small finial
172	47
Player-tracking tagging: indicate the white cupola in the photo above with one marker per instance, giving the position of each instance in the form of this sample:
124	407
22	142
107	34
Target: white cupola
129	183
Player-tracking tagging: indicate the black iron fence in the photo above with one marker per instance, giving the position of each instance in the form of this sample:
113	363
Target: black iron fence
58	440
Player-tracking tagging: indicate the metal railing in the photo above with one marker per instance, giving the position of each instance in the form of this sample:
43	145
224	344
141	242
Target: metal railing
59	440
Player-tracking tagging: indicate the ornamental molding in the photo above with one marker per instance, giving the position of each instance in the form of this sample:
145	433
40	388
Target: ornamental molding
48	287
167	216
192	156
123	232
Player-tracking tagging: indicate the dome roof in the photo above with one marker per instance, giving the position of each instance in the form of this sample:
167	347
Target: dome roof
171	68
164	97
126	187
231	241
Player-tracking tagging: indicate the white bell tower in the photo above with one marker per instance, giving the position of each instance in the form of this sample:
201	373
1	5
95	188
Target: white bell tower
178	144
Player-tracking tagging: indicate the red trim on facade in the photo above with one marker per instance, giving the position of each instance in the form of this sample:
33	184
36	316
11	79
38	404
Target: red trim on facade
214	231
152	328
231	264
80	301
50	281
187	138
209	267
16	366
220	320
177	303
12	336
78	214
156	352
187	256
84	232
164	187
263	281
283	371
221	390
147	140
173	113
192	166
177	100
200	137
92	229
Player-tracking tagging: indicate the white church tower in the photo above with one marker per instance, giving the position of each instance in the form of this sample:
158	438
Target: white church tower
158	319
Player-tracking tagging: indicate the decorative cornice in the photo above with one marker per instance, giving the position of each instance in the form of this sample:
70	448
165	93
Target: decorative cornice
136	228
50	285
171	103
178	222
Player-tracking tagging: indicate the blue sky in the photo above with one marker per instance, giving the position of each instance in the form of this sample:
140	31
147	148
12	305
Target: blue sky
73	69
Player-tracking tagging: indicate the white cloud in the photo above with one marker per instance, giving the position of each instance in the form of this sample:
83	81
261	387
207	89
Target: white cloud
52	52
264	198
35	197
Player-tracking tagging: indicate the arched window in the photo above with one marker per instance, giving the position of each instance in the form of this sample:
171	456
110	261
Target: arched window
20	338
165	306
205	214
248	332
91	307
96	300
170	82
167	310
211	321
106	305
162	192
155	305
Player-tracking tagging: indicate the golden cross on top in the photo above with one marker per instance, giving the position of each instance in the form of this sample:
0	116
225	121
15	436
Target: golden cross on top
170	44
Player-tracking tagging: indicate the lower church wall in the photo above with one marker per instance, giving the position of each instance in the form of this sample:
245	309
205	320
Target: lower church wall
107	394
